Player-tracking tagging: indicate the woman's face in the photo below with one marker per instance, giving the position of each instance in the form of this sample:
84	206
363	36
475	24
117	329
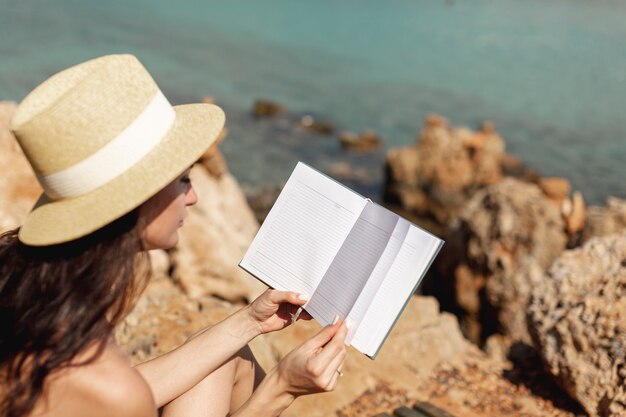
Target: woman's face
164	212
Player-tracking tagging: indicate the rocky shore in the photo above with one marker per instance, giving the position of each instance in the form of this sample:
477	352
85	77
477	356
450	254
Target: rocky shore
530	279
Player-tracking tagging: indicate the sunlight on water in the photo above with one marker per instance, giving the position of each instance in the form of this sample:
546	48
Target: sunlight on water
551	75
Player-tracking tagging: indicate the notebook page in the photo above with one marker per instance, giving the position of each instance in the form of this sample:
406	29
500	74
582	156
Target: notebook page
414	258
303	232
375	280
356	259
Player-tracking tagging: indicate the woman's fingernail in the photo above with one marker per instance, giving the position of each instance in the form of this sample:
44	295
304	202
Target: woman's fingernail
302	297
349	323
336	319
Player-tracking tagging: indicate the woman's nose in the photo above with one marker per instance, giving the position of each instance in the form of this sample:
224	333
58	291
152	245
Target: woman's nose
191	197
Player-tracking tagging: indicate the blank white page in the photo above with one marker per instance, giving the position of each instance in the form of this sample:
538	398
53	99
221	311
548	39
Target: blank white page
353	265
374	282
303	232
414	258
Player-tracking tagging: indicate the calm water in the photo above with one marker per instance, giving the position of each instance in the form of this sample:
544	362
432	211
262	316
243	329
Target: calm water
551	75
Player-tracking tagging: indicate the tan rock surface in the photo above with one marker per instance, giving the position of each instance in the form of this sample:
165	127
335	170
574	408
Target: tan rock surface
18	189
422	340
605	220
444	169
506	236
556	189
575	212
216	234
425	359
367	140
266	108
578	322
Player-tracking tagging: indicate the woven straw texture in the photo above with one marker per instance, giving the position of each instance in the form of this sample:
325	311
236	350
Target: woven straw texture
77	111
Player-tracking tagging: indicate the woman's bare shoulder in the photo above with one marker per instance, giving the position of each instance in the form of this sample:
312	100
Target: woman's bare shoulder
109	386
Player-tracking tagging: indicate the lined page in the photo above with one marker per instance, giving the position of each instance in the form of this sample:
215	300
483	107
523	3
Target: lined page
303	232
415	256
376	278
354	263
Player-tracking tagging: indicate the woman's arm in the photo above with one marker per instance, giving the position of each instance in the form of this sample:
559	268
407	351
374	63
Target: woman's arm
312	367
175	372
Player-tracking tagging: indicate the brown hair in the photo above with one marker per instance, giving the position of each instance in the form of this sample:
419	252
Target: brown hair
57	300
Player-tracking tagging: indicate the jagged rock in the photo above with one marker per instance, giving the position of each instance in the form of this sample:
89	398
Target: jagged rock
504	239
477	388
444	169
575	213
602	221
344	171
556	189
217	232
312	125
368	140
577	317
265	108
215	165
512	166
262	200
212	159
164	318
19	188
422	339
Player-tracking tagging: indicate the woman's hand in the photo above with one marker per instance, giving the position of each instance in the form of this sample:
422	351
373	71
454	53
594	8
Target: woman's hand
315	365
273	309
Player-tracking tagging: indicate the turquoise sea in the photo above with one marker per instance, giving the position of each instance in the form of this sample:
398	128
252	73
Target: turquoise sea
551	75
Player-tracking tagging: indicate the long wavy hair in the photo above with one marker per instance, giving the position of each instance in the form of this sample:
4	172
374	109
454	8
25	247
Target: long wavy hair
55	301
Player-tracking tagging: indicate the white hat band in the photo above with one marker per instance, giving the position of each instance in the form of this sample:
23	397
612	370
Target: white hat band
132	144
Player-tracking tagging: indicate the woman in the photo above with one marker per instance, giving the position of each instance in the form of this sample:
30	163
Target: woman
113	159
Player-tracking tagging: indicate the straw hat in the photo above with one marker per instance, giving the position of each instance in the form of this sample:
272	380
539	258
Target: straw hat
102	139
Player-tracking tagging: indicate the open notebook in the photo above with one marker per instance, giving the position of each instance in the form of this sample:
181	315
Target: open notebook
349	256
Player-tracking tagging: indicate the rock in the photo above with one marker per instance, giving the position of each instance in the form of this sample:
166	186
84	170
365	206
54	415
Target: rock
368	140
7	108
488	127
309	123
261	201
602	221
575	214
577	317
475	387
343	171
422	339
215	165
478	388
435	120
19	188
265	108
512	166
504	239
556	189
445	168
217	232
212	159
497	347
164	318
375	401
160	262
403	166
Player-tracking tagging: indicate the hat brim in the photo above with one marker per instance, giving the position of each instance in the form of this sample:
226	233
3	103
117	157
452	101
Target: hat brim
196	128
